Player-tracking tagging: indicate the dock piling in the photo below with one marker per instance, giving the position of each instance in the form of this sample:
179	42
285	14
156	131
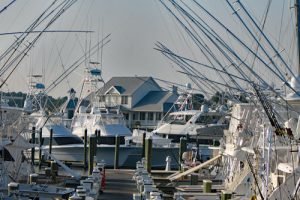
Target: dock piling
32	142
194	179
225	195
85	149
207	186
117	148
143	142
50	142
92	152
40	145
148	154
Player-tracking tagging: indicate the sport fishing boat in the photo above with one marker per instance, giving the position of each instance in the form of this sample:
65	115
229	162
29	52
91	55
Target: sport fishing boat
204	125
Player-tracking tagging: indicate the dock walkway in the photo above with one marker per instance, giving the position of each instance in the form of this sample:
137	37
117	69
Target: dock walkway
119	185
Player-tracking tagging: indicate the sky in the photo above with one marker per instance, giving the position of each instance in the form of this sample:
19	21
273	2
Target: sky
135	26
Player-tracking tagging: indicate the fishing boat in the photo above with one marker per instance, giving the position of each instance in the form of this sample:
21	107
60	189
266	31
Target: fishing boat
205	125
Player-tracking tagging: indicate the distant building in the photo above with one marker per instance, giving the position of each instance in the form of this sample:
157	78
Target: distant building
142	101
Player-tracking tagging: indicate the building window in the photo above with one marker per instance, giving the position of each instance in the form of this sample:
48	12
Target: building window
102	98
124	100
158	116
126	116
150	116
142	116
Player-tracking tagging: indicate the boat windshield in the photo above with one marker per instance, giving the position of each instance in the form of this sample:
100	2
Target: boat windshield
207	119
178	119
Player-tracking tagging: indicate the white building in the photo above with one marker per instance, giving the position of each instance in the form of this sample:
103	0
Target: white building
142	101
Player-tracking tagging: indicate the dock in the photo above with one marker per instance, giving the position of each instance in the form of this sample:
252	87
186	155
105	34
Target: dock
119	184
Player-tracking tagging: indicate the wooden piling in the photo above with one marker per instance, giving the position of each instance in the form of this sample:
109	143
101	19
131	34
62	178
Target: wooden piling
50	141
148	154
182	149
117	148
207	186
143	149
92	152
40	145
225	195
32	142
194	179
85	149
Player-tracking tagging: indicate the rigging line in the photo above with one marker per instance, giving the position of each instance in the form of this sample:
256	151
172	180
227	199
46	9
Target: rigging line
63	66
204	65
77	63
222	42
70	70
245	46
173	83
24	35
194	81
195	72
216	36
8	5
31	27
196	39
185	69
263	26
281	22
264	36
211	81
56	16
254	37
177	62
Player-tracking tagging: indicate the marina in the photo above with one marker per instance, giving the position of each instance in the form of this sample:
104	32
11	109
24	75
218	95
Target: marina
184	100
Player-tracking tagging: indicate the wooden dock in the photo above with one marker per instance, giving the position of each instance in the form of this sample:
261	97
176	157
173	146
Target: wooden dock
119	185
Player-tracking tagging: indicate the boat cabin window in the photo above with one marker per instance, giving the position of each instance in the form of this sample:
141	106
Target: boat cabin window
62	141
178	119
207	119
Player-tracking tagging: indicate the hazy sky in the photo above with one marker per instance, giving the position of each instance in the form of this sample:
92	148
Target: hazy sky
135	27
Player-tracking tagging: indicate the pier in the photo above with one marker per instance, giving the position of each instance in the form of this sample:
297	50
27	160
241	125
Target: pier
119	185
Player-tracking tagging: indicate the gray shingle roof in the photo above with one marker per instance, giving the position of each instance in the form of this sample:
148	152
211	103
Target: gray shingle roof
127	85
156	101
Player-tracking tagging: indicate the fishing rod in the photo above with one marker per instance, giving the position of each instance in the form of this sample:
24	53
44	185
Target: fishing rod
65	7
49	31
181	64
8	5
34	25
234	53
204	65
13	48
197	39
189	73
247	48
263	34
